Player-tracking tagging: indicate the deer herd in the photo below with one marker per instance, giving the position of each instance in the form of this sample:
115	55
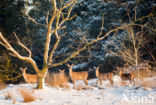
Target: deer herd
83	75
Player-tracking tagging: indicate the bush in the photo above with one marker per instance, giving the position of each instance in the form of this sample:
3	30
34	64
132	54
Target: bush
9	72
27	95
2	85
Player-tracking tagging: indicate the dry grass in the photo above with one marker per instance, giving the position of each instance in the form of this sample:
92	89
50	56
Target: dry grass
147	82
27	95
141	74
81	87
8	95
2	85
152	73
57	80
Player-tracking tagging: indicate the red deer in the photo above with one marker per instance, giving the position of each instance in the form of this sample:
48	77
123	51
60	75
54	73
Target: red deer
104	76
125	76
29	78
83	75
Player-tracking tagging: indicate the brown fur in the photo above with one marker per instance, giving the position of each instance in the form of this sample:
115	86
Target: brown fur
77	75
29	78
104	76
126	76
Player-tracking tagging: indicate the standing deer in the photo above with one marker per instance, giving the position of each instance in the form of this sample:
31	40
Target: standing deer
29	78
125	76
83	75
104	76
63	79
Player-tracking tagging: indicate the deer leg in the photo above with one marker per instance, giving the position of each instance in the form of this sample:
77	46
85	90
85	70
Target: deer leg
73	84
100	82
97	82
111	83
133	80
130	81
122	82
85	81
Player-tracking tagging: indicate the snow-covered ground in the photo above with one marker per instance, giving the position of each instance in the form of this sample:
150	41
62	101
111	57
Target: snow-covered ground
95	95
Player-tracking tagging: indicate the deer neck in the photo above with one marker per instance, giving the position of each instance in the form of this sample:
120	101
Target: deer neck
70	71
24	74
97	72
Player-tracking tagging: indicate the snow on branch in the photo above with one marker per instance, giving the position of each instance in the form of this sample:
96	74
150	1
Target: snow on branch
98	39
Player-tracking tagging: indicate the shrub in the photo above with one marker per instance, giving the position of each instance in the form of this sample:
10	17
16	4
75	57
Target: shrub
27	95
9	72
2	85
9	94
149	82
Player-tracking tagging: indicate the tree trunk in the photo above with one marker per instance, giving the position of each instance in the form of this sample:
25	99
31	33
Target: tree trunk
136	57
41	78
40	83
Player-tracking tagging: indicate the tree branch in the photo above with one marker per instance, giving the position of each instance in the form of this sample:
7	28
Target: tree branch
72	3
55	47
58	26
68	4
16	54
49	33
31	19
96	40
22	45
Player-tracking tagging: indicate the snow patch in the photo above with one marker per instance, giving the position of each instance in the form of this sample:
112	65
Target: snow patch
96	95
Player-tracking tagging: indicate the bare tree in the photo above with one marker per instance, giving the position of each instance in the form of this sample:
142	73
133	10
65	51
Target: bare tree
54	24
136	40
130	51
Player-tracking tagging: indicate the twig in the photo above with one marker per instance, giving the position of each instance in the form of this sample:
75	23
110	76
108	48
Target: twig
22	45
31	19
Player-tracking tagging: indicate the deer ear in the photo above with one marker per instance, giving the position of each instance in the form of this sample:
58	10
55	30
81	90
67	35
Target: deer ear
60	70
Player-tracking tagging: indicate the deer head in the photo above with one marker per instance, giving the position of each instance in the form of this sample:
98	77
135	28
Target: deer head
23	69
61	71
